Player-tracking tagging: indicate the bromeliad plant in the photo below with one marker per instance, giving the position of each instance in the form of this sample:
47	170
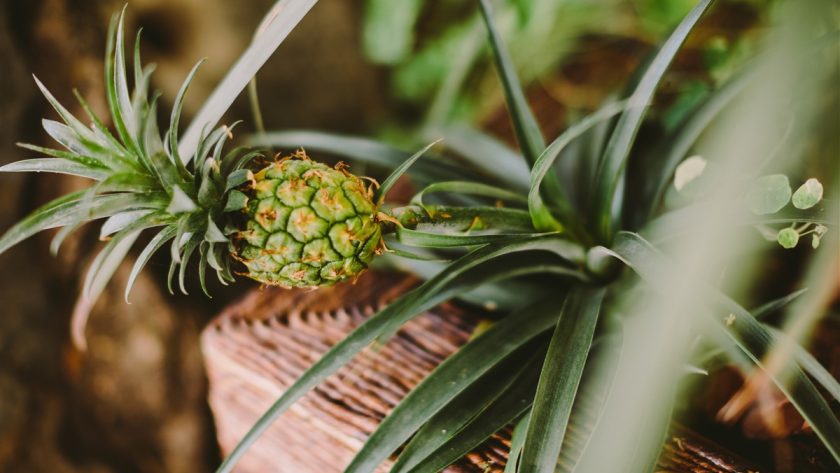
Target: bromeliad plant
553	239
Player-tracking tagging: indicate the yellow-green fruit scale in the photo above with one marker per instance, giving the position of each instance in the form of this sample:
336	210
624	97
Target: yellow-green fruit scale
308	225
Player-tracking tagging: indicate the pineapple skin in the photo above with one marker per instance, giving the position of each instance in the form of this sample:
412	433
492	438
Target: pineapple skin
307	225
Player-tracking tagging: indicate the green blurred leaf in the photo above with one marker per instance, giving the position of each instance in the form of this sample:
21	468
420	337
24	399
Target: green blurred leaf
788	238
748	333
488	154
808	194
768	194
776	304
672	152
388	29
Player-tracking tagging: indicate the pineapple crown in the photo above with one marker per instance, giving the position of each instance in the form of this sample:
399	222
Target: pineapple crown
141	180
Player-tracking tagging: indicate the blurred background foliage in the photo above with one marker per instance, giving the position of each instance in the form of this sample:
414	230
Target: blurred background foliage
440	71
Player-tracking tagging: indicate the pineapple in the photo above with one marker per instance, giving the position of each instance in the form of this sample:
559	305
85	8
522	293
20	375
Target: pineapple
307	224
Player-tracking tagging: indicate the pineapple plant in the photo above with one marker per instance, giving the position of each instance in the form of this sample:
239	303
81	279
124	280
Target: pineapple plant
556	260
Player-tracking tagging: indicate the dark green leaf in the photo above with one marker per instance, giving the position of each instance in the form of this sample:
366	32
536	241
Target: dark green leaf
517	443
776	304
471	188
540	214
810	364
462	219
176	114
451	377
422	239
445	425
559	380
512	402
524	123
389	182
612	164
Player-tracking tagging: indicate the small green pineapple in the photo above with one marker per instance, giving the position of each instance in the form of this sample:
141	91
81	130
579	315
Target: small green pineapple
307	224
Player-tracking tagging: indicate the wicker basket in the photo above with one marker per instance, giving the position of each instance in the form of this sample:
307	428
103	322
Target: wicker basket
256	348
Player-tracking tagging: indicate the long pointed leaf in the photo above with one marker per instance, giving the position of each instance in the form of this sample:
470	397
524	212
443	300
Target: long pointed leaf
284	16
613	162
559	380
57	166
540	214
450	378
176	114
462	410
389	182
471	188
512	403
69	210
517	443
362	150
154	245
524	123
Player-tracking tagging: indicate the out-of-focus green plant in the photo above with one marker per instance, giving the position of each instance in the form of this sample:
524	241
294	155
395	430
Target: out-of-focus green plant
437	56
